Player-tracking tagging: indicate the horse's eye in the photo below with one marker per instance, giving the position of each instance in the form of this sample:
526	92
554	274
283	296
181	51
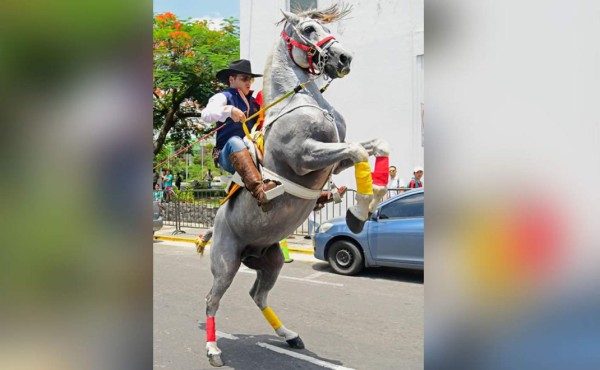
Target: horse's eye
308	30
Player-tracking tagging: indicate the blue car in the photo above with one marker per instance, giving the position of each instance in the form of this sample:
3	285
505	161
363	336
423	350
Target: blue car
393	237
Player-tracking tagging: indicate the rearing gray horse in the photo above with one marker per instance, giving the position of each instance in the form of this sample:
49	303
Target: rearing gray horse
303	145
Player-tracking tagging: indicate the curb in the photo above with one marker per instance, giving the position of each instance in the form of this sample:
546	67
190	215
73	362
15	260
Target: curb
188	240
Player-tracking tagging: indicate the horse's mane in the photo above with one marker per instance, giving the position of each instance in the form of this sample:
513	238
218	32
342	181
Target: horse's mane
332	14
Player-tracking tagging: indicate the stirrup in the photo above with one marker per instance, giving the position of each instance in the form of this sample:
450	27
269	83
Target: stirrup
275	192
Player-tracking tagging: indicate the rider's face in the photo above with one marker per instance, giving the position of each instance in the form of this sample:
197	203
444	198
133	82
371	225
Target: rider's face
242	82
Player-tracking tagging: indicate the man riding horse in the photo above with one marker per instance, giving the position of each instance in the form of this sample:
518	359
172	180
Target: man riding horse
231	108
228	108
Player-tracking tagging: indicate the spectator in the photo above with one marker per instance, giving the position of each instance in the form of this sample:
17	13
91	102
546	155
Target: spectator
168	182
209	177
313	225
394	182
157	194
160	180
178	181
154	179
416	180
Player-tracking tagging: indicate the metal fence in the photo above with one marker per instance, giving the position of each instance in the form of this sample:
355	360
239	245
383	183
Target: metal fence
198	207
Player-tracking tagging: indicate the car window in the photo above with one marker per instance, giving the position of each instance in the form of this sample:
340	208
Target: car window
411	206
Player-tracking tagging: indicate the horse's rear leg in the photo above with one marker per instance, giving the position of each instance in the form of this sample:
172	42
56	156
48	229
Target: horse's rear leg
267	269
225	262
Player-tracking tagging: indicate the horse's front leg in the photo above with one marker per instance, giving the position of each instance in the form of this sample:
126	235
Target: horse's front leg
380	149
315	155
375	147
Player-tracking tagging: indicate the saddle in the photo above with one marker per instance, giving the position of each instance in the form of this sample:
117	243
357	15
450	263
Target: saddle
256	149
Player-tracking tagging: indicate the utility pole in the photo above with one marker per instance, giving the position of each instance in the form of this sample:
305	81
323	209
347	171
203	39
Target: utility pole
202	161
187	163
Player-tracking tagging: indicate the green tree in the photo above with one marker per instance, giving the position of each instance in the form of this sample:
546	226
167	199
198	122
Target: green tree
187	55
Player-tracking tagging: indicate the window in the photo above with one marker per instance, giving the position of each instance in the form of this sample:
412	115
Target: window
407	207
298	6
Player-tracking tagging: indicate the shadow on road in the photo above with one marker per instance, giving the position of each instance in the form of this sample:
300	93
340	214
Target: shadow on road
385	273
245	354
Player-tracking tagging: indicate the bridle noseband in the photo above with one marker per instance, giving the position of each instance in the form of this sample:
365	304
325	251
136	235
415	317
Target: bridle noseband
310	50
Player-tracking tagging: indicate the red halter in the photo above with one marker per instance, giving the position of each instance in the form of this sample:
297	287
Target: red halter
310	51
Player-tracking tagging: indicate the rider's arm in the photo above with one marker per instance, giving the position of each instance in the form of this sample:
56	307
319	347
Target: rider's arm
217	109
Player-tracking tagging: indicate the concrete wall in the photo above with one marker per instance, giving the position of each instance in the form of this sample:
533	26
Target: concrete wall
383	94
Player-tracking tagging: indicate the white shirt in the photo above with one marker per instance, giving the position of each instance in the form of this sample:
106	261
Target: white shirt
396	182
217	109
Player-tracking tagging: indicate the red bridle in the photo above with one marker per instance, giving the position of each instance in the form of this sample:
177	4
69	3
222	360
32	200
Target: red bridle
310	50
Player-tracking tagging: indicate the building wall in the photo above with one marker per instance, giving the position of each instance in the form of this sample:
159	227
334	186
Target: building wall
383	94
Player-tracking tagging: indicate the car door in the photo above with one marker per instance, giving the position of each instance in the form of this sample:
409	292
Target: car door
397	233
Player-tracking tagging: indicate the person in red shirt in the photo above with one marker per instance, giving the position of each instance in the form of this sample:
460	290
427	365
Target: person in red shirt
415	182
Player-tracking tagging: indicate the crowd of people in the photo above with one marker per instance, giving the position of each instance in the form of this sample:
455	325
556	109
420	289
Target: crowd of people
162	184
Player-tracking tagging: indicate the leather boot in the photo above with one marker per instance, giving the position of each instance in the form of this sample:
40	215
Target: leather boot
243	164
327	197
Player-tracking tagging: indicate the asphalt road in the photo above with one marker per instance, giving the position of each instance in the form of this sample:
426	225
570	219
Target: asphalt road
370	321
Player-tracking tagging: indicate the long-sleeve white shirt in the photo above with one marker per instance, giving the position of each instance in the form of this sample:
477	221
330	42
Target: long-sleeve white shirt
217	109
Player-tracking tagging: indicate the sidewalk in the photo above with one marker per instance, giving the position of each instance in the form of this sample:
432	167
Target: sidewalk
296	244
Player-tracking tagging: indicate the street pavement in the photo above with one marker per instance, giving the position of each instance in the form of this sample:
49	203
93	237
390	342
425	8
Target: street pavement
370	321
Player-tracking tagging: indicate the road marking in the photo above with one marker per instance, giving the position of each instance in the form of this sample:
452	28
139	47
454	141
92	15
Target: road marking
249	271
220	334
300	356
315	275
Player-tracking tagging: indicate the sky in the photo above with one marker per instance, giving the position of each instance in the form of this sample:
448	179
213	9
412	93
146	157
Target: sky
199	8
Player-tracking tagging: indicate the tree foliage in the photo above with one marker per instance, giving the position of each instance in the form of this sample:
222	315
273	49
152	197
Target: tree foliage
187	55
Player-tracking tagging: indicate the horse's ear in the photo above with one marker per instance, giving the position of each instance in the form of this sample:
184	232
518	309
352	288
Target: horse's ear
291	17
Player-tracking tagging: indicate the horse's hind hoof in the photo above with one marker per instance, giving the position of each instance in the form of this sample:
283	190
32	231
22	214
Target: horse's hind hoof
296	343
215	360
354	224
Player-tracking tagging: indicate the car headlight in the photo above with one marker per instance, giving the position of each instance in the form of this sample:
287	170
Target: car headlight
325	227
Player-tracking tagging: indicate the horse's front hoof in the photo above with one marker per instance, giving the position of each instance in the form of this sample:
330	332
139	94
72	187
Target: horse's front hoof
296	343
215	360
354	224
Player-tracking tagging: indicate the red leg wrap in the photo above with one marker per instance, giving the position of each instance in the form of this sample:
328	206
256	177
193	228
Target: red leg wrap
210	329
380	174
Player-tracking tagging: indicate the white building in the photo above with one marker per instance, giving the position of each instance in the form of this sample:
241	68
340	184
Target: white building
383	94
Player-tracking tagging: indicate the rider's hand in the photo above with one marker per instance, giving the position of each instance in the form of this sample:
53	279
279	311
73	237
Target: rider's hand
237	115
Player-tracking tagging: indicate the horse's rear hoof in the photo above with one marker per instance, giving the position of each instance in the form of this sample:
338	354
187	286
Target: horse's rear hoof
215	360
296	343
354	224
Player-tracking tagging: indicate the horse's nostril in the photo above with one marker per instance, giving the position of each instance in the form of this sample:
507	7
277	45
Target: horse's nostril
343	59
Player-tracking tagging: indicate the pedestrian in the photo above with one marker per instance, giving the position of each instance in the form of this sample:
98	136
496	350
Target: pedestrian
395	184
160	180
178	181
226	108
416	182
394	181
313	225
209	177
157	194
155	177
168	182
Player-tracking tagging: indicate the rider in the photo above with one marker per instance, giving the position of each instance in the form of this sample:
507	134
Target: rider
228	108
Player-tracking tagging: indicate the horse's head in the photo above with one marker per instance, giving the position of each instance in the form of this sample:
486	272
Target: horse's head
311	45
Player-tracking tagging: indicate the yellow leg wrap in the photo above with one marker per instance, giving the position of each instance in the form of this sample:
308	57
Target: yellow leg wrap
200	245
364	182
272	318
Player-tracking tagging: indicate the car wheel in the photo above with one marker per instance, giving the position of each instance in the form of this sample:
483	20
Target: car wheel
345	258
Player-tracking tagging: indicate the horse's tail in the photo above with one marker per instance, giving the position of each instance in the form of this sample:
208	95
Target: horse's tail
202	241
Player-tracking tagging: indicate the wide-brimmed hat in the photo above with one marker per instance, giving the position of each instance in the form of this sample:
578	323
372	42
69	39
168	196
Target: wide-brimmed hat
235	67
